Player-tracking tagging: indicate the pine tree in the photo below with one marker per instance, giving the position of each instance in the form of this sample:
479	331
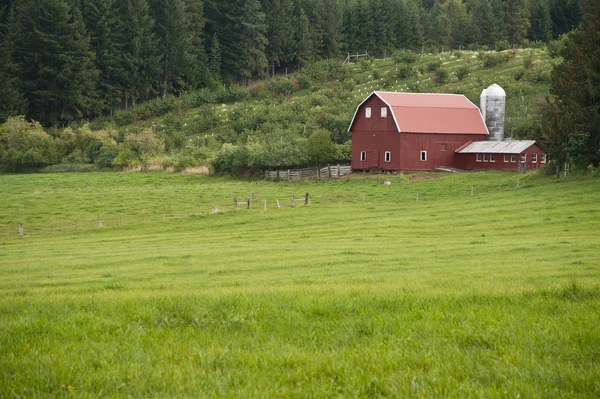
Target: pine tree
541	25
252	58
215	57
565	15
199	74
303	46
12	101
518	20
54	60
138	56
171	30
572	122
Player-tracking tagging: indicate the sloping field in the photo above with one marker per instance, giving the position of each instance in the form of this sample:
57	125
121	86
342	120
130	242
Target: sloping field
495	294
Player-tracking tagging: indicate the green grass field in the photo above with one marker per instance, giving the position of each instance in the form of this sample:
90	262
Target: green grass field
495	294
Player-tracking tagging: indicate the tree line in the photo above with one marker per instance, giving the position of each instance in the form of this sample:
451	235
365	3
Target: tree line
65	60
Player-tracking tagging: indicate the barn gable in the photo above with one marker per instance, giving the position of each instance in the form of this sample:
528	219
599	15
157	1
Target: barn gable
430	113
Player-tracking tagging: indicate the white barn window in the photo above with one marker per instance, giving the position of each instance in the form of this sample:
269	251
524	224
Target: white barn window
478	158
384	112
363	156
388	156
423	155
506	157
533	158
492	158
367	113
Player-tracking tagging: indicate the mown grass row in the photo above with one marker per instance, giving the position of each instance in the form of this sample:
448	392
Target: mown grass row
491	296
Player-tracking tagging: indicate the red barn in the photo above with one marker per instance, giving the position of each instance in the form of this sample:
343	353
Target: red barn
408	131
500	155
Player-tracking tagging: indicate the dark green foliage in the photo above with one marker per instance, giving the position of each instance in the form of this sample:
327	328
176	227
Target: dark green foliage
441	76
405	56
25	145
572	118
491	60
434	66
55	62
462	72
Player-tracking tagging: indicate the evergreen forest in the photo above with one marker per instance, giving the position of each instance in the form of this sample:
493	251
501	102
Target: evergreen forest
67	60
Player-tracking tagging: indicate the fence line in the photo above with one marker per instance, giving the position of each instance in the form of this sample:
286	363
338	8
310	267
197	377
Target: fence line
260	203
299	174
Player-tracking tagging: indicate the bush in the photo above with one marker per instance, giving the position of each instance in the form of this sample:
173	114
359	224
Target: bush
231	159
70	168
458	54
404	71
492	60
441	76
405	56
434	66
528	62
25	145
518	74
462	72
376	75
502	45
304	81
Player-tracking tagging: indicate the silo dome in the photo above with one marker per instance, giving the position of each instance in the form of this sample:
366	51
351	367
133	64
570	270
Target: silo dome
495	91
493	107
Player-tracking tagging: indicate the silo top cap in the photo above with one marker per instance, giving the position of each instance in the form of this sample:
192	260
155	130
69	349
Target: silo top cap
495	91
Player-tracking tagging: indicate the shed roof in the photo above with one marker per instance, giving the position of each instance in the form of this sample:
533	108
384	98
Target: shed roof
496	147
431	113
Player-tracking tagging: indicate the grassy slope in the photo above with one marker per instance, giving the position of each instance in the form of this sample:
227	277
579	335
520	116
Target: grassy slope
492	295
522	96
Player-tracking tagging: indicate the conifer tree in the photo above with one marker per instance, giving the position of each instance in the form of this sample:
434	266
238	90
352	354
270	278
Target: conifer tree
215	57
54	61
541	25
12	101
252	58
199	74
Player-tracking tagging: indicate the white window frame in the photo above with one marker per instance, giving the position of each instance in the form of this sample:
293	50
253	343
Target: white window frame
486	158
534	158
543	158
388	156
492	157
423	156
478	157
523	158
363	156
513	158
383	112
368	112
506	158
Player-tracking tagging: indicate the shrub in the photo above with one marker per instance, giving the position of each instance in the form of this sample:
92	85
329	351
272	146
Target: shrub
405	56
304	81
492	60
231	159
404	71
441	76
376	74
502	45
458	54
320	150
528	61
25	145
70	168
462	72
518	74
434	66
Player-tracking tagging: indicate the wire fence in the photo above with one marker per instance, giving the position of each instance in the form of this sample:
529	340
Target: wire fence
271	202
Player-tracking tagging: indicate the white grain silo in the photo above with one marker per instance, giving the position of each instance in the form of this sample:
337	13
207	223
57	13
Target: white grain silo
493	108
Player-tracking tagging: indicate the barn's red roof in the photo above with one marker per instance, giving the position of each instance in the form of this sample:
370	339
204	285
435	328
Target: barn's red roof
432	113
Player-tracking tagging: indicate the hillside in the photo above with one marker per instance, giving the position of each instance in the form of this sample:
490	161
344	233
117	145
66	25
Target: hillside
281	109
489	293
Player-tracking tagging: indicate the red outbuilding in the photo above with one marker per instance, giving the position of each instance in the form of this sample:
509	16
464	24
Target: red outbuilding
409	131
500	155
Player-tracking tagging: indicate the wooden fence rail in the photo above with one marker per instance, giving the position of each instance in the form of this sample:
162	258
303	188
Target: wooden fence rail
299	174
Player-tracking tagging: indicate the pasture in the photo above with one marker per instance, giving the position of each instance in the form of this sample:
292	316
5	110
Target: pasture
495	294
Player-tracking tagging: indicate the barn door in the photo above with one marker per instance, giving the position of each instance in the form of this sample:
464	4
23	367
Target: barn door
373	159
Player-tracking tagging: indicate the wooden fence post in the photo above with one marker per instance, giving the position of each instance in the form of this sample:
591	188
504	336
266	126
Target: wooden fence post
293	200
278	206
338	171
21	230
318	173
266	174
289	175
300	174
306	199
417	197
265	205
248	203
235	204
329	171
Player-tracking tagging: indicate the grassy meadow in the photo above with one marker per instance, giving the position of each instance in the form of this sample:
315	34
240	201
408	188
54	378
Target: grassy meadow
495	294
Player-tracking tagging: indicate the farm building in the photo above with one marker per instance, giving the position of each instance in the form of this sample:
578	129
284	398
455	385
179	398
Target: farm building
500	155
415	132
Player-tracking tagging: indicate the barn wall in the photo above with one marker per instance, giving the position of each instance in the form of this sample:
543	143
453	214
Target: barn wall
438	155
469	161
375	135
